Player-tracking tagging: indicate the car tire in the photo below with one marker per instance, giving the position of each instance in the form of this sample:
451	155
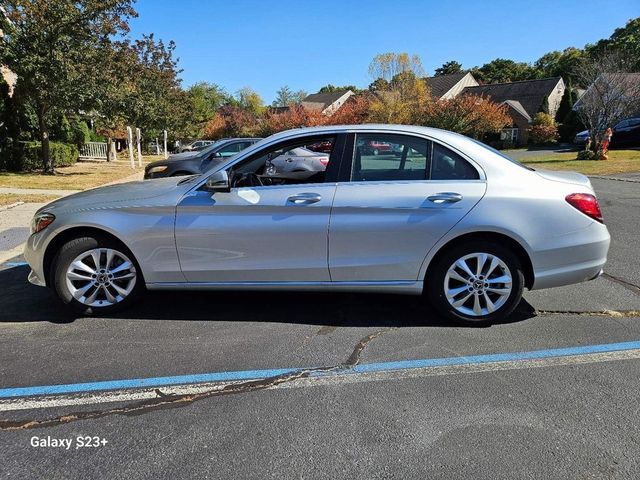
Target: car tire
116	281
472	296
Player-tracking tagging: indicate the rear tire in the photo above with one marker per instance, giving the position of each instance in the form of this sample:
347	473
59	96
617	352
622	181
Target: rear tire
96	276
476	283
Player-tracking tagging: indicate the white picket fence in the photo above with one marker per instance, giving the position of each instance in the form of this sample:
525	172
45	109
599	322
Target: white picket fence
93	151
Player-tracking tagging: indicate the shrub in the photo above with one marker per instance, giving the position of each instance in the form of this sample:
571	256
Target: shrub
27	156
542	118
543	134
586	155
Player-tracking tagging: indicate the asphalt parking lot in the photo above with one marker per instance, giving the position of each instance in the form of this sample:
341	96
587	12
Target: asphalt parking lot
331	386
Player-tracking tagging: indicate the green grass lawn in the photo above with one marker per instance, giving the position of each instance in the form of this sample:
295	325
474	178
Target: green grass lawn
620	161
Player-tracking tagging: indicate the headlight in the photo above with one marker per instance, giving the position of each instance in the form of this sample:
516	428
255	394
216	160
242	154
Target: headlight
157	169
41	221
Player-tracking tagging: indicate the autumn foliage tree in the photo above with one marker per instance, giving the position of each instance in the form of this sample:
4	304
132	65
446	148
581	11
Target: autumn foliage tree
469	115
56	51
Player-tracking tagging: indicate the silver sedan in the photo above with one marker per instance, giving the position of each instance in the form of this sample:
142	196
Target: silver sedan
436	214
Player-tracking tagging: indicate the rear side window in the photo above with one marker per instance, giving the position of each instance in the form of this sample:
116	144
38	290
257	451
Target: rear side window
388	157
448	165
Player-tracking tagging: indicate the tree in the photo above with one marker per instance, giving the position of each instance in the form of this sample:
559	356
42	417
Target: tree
467	114
612	95
328	88
388	65
624	41
204	101
295	116
559	64
502	70
285	97
401	92
355	111
449	68
55	48
249	99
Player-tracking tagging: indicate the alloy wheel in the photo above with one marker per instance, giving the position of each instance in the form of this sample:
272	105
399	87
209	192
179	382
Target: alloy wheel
478	284
101	277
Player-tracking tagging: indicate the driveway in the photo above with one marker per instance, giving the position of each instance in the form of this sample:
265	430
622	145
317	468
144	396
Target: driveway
284	385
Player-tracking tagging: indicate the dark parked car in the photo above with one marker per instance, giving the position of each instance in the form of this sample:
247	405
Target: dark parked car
626	133
197	162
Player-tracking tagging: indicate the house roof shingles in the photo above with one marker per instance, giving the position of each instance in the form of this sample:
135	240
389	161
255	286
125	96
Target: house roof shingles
441	84
321	101
529	93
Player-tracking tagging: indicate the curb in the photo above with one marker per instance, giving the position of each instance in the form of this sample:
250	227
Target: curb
10	206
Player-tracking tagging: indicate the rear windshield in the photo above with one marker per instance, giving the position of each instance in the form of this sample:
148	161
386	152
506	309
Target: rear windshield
498	152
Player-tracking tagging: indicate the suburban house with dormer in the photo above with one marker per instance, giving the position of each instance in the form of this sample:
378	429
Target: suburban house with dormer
326	103
523	99
444	87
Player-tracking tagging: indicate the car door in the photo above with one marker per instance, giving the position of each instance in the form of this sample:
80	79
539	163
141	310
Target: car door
395	205
256	234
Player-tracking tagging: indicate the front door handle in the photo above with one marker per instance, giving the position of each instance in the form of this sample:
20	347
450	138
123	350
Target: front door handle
445	197
304	198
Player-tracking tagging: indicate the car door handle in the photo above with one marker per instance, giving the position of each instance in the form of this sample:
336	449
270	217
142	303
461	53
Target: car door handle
445	197
304	198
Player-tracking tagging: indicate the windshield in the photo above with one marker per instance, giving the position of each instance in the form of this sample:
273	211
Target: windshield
503	155
209	148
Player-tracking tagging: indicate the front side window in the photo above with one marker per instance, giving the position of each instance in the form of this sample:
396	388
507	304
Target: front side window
287	163
389	157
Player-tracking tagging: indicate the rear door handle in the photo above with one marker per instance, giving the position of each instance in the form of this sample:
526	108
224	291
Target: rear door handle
445	197
304	198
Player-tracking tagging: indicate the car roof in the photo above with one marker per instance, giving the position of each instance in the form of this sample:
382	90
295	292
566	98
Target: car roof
449	138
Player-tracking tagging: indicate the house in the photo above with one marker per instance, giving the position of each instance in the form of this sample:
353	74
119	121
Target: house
327	103
615	87
444	87
523	100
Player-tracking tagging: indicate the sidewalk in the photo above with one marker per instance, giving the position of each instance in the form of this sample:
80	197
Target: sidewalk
15	220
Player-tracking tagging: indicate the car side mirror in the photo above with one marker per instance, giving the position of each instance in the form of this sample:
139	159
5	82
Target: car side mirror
218	182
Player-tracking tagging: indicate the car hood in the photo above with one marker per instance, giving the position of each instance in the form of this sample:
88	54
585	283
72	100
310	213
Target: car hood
183	155
119	195
565	177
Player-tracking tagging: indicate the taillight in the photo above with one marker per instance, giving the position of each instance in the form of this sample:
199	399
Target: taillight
324	161
587	204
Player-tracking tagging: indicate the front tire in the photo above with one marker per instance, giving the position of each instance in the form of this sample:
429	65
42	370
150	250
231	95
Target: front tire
476	283
96	276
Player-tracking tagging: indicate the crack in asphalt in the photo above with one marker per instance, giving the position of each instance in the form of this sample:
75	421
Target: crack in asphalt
354	358
628	285
616	179
164	401
593	313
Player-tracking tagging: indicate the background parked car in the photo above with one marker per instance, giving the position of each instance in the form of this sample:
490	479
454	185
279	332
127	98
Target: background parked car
625	134
198	162
301	160
195	146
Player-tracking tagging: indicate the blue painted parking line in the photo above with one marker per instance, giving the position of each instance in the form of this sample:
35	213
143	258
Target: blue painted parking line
76	388
15	264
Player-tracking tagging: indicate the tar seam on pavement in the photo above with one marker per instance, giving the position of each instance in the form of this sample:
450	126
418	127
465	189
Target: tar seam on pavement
174	401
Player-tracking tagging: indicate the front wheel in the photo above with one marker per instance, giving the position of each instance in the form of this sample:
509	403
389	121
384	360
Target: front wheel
96	276
476	283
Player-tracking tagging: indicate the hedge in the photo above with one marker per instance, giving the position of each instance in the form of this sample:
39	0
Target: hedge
28	155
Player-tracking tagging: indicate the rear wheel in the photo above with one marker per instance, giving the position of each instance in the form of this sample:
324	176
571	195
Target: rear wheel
476	283
95	275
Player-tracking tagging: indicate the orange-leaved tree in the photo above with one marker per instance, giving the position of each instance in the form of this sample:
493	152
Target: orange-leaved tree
469	115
